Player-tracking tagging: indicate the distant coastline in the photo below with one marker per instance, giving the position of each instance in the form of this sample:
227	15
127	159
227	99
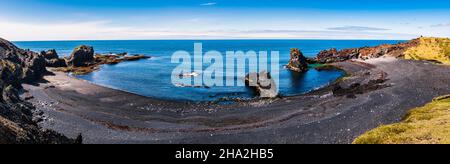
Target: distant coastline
88	40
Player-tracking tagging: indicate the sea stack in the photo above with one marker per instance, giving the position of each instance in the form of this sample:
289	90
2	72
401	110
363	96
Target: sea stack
81	56
298	62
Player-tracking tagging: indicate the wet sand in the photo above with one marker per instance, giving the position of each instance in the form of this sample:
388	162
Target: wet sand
103	115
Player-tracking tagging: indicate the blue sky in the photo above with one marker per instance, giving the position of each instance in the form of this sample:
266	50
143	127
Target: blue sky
223	19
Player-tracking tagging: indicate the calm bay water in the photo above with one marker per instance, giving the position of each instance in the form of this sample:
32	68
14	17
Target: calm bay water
152	77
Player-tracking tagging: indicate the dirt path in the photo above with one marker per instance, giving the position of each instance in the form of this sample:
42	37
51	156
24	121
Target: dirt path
103	115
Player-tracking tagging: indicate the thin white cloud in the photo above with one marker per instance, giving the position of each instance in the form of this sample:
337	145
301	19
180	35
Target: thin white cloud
315	34
58	30
106	30
441	25
357	28
209	4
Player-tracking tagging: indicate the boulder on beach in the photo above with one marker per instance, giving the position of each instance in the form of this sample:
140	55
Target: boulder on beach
262	83
50	54
81	56
298	62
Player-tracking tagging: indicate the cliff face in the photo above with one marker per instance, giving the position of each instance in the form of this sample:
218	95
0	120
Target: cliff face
17	123
30	64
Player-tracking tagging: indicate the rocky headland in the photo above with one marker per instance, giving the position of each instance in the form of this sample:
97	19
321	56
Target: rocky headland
364	53
83	61
427	124
18	118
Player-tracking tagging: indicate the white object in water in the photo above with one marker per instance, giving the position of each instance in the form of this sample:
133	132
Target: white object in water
193	74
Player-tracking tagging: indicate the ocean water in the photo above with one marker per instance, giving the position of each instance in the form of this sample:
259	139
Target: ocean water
152	77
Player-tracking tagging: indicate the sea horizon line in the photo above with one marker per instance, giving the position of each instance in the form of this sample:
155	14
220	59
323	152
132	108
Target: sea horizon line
74	40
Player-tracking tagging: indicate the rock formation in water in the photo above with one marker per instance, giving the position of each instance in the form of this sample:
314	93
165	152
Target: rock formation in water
364	53
99	60
298	62
18	118
52	59
81	56
262	83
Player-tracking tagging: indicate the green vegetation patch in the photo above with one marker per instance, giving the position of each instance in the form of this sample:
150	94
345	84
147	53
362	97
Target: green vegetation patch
429	124
432	49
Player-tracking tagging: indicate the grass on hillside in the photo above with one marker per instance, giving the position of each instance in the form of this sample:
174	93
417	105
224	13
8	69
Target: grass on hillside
432	49
424	125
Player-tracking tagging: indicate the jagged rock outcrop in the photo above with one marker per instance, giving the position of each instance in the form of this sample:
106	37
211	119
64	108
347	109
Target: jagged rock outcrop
17	123
364	53
34	67
81	56
327	56
333	55
52	59
298	62
59	62
50	54
31	64
263	84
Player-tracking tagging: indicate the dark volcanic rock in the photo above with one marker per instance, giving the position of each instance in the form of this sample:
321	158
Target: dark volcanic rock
99	60
332	55
10	95
262	83
52	59
31	64
59	62
298	62
34	67
364	53
17	123
50	54
81	56
327	56
361	82
11	73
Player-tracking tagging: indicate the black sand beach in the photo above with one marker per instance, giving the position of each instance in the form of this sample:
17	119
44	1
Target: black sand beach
102	115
